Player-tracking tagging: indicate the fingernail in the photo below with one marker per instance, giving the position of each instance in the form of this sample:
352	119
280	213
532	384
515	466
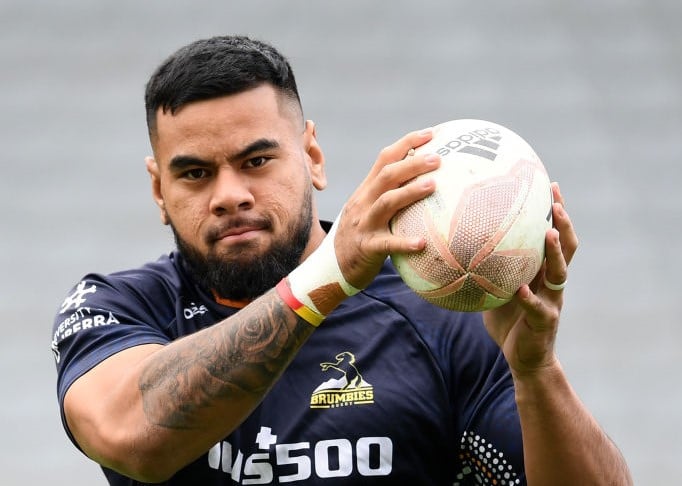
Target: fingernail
428	183
557	189
425	132
431	159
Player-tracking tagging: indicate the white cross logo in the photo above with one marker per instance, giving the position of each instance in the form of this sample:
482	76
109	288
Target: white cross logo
265	439
76	299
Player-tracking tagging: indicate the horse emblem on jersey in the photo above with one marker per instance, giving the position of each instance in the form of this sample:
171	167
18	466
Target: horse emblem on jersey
348	387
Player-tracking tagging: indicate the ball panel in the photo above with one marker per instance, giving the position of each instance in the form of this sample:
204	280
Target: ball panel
416	268
479	225
507	272
466	296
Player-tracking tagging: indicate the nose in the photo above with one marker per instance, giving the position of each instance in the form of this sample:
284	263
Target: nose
231	192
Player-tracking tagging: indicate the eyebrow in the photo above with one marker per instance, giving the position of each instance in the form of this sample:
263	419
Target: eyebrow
181	162
257	146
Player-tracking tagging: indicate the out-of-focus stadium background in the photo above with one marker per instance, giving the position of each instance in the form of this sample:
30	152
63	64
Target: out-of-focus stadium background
595	87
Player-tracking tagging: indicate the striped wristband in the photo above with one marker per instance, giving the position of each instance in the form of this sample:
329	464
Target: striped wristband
317	285
303	311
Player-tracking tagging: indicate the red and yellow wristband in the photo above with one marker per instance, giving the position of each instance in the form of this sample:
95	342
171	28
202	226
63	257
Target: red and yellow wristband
302	310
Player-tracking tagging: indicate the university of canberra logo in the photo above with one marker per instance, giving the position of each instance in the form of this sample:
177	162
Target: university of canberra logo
347	388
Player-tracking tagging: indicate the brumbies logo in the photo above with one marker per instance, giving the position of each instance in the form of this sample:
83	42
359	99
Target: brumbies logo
348	389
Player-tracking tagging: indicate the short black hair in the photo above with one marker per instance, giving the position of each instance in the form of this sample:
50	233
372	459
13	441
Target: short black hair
215	67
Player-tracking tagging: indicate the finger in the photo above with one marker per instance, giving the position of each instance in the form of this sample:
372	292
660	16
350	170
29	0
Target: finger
402	172
399	150
372	206
541	313
390	202
387	244
567	235
397	164
542	319
376	189
556	193
556	268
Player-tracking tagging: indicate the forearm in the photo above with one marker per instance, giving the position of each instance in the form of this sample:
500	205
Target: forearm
208	383
196	390
563	444
234	361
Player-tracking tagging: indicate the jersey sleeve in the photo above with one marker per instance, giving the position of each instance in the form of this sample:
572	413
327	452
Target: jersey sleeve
101	316
491	445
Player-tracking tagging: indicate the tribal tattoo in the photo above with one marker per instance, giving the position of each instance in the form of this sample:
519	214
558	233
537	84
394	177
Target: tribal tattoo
237	359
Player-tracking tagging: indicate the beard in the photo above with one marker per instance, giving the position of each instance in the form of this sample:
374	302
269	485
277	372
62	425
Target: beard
246	278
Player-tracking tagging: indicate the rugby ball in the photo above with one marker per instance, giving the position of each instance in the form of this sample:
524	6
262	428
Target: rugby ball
485	223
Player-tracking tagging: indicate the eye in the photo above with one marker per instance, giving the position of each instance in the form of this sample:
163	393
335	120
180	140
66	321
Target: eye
256	162
195	174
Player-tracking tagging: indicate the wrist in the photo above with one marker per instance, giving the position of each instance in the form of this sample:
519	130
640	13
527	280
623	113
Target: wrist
317	285
540	381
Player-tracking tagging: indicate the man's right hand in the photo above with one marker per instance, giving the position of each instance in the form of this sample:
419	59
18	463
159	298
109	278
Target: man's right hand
363	238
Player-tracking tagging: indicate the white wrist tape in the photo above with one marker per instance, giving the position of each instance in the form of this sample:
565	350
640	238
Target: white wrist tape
316	282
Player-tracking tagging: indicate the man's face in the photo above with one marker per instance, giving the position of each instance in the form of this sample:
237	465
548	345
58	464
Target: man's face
233	177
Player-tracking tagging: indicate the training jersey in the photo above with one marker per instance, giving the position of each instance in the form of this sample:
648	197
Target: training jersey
388	390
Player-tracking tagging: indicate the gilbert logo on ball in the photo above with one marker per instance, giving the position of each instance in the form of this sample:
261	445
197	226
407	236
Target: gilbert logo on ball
484	225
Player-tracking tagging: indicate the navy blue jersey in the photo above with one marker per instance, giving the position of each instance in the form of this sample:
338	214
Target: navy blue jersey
388	390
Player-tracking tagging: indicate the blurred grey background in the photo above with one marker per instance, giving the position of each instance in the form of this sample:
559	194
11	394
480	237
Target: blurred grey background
594	86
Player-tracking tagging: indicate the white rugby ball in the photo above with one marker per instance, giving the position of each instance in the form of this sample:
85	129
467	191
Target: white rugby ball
484	225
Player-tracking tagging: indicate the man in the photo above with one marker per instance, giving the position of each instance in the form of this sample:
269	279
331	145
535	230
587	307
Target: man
265	351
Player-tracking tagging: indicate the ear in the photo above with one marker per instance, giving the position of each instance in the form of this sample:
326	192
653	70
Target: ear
315	156
154	172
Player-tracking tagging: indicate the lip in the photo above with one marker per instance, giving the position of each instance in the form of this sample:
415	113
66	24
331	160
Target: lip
239	233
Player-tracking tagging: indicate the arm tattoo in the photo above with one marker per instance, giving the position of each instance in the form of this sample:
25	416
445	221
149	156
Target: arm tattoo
238	359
